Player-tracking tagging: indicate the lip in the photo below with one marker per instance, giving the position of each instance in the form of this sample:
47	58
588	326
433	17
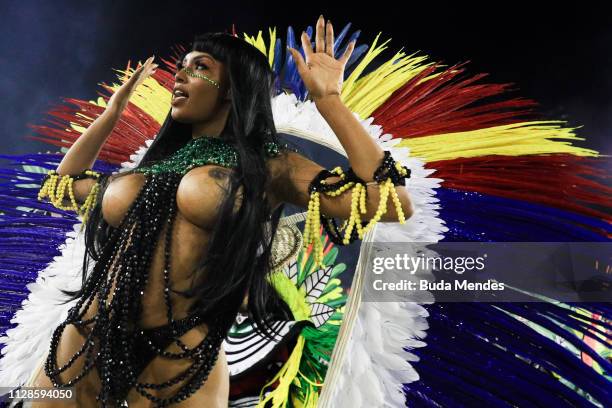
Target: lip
178	100
179	87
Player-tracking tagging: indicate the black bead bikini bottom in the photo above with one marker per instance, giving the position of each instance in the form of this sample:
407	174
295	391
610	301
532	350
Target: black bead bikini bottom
161	337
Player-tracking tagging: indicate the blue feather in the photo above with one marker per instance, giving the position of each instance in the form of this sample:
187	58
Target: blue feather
31	231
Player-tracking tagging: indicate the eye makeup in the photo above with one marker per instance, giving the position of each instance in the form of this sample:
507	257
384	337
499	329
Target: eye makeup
197	60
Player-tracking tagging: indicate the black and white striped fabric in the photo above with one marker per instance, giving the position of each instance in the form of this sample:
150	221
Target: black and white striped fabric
245	348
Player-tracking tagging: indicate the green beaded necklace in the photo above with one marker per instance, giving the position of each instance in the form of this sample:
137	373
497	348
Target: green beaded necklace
201	151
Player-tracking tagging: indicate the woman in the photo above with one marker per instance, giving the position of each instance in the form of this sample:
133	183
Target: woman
207	196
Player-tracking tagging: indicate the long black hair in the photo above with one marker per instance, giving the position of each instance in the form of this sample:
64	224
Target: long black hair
238	257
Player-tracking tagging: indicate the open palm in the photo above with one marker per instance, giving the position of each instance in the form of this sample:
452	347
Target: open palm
322	73
122	95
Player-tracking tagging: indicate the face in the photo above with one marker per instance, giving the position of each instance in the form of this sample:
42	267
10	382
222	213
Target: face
204	100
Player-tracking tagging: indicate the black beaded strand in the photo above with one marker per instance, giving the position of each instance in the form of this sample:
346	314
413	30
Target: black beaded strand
133	243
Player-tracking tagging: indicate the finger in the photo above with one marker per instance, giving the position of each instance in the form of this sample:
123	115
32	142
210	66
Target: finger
319	38
329	39
299	61
306	45
152	70
137	72
347	53
148	61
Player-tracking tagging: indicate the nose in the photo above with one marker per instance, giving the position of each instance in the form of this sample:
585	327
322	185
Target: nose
180	75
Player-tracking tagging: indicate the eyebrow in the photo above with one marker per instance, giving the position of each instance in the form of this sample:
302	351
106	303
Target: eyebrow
198	57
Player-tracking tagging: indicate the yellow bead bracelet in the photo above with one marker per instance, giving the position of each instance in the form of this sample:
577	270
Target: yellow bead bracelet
54	187
354	227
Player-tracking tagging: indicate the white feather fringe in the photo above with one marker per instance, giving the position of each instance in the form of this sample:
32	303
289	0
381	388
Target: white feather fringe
27	343
376	364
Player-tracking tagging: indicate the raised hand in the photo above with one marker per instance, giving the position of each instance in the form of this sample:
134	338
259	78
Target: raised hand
322	73
120	98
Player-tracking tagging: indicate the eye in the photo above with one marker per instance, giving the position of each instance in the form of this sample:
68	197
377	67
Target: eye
179	66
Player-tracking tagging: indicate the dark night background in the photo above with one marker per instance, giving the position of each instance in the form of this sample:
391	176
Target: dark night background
560	57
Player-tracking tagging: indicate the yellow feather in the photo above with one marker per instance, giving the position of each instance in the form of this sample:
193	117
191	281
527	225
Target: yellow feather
514	139
363	95
286	375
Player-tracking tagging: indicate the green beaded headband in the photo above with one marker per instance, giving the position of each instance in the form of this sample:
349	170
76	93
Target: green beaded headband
196	75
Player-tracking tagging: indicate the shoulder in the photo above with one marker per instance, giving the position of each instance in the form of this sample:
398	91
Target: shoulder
291	165
291	174
283	165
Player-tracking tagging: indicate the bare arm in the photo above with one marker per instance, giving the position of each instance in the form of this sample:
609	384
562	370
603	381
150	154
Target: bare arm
364	154
323	75
291	186
83	153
